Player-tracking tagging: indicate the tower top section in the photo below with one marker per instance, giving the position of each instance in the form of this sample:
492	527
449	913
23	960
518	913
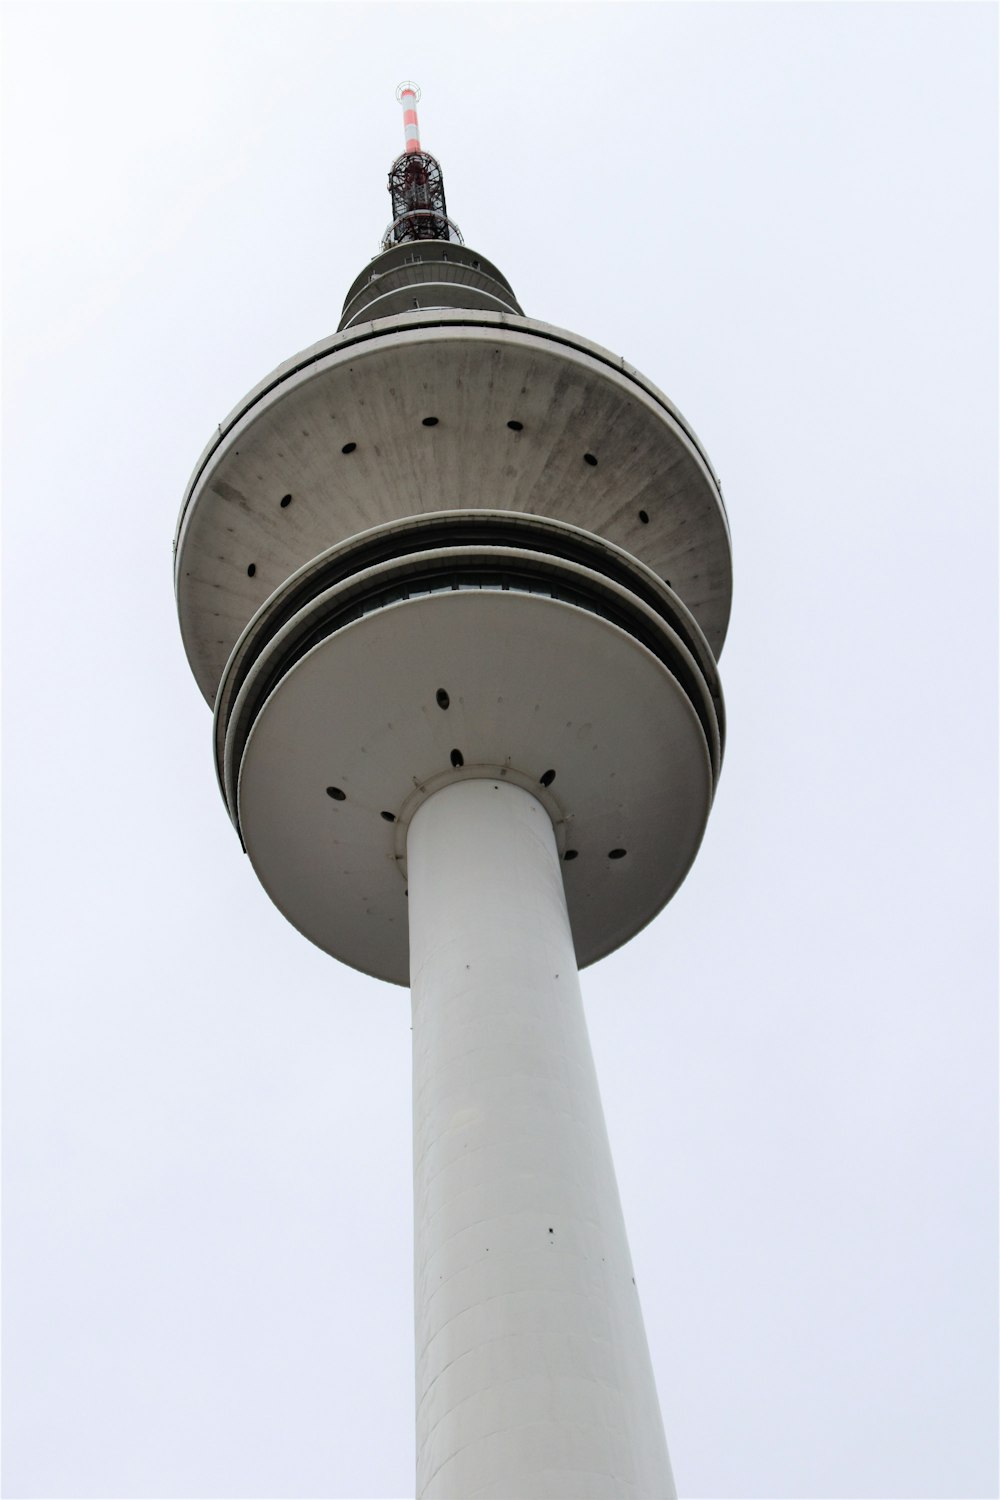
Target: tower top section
416	185
450	542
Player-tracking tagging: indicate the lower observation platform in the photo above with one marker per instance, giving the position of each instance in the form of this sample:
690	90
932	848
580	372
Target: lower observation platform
471	683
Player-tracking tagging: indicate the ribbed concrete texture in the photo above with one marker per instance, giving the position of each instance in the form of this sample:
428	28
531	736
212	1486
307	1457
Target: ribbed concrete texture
533	1373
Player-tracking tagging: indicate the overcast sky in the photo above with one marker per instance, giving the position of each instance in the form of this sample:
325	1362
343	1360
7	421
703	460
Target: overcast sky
786	216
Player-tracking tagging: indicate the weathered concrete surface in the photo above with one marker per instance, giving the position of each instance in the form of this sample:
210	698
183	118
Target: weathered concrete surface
371	391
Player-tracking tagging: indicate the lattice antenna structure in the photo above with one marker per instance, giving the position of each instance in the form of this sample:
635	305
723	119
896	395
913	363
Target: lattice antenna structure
416	185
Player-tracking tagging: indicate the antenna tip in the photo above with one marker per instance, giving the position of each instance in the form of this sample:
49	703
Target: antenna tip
407	87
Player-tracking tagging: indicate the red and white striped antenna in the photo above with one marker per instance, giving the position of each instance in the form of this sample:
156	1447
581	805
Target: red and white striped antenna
408	93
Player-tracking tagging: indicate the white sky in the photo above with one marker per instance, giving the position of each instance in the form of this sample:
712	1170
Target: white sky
786	216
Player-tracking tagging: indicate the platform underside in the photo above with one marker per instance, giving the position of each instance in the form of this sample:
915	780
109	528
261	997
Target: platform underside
425	413
354	738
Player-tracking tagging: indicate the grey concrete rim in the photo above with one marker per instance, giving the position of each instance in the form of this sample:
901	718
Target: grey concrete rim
331	611
306	591
385	328
342	889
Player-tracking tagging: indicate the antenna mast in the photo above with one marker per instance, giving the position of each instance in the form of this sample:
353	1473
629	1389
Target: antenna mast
416	186
408	94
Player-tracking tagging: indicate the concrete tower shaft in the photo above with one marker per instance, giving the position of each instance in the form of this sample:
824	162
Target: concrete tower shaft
533	1375
455	583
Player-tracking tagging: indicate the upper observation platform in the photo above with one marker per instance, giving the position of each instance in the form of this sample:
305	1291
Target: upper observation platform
432	410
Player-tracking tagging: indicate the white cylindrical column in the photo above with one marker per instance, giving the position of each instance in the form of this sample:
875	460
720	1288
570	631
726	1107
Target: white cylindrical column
533	1372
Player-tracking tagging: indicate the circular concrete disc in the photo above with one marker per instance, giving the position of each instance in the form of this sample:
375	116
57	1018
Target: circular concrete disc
534	685
412	419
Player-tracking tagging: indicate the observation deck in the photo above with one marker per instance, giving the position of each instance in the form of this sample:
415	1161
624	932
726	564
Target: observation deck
461	501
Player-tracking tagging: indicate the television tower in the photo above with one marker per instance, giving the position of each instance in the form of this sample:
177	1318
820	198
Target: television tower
455	582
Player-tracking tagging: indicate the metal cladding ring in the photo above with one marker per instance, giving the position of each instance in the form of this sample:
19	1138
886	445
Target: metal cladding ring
417	218
452	550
